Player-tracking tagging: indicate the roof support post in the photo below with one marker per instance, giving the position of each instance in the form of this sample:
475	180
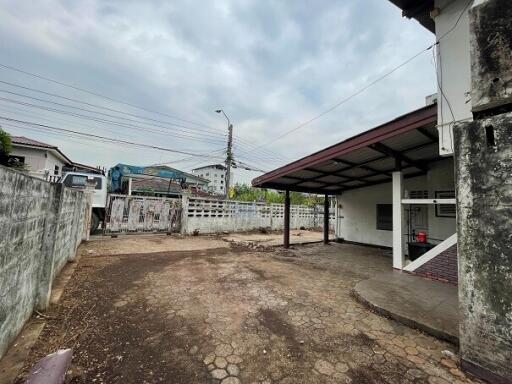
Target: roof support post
286	230
398	252
326	219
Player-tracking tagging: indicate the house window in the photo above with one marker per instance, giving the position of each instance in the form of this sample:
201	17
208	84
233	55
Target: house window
16	161
221	176
207	173
445	210
98	182
75	181
421	194
222	181
385	217
80	181
56	171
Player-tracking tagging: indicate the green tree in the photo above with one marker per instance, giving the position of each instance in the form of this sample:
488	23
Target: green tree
5	146
244	192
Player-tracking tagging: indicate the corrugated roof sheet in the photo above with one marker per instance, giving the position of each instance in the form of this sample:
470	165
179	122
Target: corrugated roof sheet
26	141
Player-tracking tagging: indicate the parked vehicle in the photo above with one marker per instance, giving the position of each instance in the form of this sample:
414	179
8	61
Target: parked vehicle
99	198
114	183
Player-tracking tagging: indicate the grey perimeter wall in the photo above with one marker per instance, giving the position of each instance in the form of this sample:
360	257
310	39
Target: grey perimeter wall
484	225
41	226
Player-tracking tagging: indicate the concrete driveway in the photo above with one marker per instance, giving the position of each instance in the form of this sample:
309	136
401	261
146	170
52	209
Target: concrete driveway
200	310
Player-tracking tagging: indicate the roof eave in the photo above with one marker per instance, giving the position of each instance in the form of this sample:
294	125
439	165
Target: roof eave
403	123
418	10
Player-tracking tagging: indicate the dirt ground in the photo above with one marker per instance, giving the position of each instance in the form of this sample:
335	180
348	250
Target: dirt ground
202	310
275	238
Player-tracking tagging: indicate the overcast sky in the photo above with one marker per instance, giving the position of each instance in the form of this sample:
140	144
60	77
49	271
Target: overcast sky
270	65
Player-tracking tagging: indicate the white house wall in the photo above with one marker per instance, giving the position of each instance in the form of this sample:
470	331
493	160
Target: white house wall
38	160
51	162
453	69
357	217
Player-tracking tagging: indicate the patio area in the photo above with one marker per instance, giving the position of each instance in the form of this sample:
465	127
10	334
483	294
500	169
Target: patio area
424	304
208	311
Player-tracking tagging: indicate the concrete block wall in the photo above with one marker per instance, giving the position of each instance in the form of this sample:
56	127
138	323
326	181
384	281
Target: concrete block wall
213	216
41	226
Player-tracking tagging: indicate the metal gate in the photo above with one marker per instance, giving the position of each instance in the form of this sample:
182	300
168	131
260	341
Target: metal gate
138	214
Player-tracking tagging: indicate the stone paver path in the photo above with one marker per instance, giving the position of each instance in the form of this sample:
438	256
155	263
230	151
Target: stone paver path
231	316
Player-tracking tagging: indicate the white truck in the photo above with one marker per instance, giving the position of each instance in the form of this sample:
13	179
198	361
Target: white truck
99	199
115	179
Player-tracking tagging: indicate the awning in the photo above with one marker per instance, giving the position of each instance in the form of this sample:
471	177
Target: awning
409	142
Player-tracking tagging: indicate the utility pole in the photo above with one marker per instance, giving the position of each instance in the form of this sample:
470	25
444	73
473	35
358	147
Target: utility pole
229	158
229	152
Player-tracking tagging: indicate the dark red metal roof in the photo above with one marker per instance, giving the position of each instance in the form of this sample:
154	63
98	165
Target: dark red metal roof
26	141
410	141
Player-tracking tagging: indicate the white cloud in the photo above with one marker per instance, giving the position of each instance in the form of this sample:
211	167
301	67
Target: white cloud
270	64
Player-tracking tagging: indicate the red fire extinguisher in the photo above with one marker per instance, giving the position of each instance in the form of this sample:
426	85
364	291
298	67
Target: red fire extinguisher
421	237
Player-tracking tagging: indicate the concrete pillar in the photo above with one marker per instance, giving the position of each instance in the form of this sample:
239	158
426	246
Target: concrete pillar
88	197
483	164
398	252
184	214
484	227
286	229
46	271
326	219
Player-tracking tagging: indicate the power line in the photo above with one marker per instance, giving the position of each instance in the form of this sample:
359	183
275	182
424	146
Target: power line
107	139
73	115
262	158
189	158
129	126
335	106
247	144
210	131
248	167
12	68
456	22
346	99
112	122
27	113
98	113
243	142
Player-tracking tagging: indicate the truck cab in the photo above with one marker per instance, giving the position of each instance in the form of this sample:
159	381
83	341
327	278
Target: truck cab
78	180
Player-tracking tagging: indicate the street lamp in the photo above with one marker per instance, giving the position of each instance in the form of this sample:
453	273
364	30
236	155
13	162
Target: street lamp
229	154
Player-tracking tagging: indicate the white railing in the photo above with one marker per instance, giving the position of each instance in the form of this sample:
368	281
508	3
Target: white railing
426	257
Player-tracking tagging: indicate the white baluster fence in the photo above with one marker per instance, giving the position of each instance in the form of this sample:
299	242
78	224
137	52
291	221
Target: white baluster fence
213	216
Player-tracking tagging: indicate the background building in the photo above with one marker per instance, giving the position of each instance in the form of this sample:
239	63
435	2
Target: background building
216	174
39	159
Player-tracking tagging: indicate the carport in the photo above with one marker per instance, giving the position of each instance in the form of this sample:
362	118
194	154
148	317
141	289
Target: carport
399	149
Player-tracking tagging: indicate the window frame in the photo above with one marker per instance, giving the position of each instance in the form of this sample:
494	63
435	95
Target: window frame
381	224
445	194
